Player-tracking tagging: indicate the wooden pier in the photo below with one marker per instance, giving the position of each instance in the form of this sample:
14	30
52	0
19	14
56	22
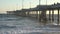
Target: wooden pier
40	12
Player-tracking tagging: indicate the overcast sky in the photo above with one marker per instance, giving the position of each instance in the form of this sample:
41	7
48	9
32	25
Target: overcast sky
9	5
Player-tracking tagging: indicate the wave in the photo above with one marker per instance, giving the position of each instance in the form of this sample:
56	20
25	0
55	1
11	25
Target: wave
6	26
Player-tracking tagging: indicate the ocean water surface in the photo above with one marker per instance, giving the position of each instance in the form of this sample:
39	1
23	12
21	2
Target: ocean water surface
12	24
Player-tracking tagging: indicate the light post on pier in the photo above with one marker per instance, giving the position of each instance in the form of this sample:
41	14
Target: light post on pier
30	5
22	3
39	2
46	2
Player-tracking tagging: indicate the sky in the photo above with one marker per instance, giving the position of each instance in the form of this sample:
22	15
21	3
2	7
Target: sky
11	5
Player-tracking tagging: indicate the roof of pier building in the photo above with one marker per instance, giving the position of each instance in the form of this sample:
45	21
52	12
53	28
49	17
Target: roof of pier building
42	6
55	6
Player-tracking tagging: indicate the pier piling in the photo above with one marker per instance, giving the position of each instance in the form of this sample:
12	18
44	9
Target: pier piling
52	15
58	17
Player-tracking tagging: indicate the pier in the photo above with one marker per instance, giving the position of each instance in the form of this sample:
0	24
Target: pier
39	12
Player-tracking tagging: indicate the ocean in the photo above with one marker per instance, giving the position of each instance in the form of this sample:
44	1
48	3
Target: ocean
12	24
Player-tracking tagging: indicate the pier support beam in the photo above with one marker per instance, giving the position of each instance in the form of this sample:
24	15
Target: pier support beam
58	18
52	15
24	14
49	14
43	16
37	14
28	13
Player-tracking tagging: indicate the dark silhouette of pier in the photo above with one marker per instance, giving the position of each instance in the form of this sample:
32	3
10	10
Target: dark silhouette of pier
40	12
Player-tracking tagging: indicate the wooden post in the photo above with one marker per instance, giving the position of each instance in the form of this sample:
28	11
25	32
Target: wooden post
28	13
52	15
49	14
37	14
58	17
25	13
43	15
